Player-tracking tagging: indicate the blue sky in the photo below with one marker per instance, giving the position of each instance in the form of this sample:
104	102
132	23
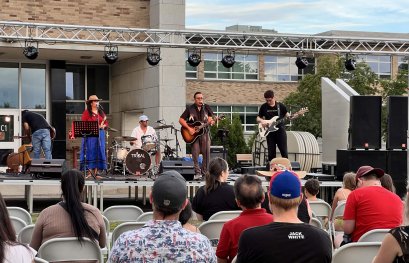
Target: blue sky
301	17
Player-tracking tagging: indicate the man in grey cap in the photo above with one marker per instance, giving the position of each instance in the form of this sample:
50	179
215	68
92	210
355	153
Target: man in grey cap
163	239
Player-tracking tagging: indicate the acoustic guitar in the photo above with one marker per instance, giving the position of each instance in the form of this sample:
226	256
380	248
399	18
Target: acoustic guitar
272	124
200	129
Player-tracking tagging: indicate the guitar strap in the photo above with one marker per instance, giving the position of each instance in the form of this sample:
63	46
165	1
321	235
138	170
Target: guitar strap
278	109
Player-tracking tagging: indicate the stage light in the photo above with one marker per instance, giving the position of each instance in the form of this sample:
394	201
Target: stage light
350	63
194	58
153	56
111	54
301	62
228	60
30	51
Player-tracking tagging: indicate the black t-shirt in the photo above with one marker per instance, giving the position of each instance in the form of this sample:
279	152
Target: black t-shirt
35	121
267	112
284	242
192	113
221	199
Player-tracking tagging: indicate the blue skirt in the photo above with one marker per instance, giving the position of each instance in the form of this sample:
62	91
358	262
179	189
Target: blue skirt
95	150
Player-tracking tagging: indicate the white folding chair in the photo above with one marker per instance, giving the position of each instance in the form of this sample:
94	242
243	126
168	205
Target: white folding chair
70	249
20	213
338	213
321	210
315	222
124	227
105	250
145	217
40	260
25	234
374	235
17	223
225	215
212	229
362	252
122	213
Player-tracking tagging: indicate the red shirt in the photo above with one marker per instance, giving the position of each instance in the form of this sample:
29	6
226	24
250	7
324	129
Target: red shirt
230	235
101	118
373	207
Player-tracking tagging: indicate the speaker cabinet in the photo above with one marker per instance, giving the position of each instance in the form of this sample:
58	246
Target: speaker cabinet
185	168
365	122
398	170
397	122
47	168
216	151
351	160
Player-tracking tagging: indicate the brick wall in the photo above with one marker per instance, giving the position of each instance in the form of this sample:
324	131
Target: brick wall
116	13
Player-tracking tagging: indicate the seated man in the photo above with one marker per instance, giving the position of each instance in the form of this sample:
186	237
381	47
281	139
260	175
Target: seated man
249	196
163	239
370	206
287	239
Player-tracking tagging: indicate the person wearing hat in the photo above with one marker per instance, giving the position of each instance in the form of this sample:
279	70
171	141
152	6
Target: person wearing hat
287	239
144	130
94	146
370	206
163	239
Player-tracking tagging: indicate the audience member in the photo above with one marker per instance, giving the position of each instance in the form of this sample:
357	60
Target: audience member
387	183
216	195
163	239
370	206
185	216
70	217
287	239
10	249
249	196
341	195
312	188
395	245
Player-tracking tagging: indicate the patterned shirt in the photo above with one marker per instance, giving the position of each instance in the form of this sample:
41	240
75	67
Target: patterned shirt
162	241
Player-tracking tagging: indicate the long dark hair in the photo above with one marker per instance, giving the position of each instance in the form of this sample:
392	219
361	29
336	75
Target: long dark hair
216	167
89	109
72	184
7	233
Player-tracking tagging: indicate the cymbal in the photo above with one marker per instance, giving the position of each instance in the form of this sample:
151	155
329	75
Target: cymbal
163	127
125	138
112	129
166	140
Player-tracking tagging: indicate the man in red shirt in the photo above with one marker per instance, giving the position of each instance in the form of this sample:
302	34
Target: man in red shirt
371	206
249	196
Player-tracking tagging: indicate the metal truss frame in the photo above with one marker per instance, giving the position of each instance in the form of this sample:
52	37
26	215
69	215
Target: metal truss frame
220	40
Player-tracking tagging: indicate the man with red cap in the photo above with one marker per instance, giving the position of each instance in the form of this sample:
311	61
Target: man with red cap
371	206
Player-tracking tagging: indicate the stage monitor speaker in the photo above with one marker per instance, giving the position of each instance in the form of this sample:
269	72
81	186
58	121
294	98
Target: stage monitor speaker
398	170
185	168
397	122
47	168
216	151
365	122
351	160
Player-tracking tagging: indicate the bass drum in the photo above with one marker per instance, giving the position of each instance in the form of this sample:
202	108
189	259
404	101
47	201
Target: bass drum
138	161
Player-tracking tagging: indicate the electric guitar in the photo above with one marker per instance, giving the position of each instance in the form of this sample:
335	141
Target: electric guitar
200	129
53	133
272	124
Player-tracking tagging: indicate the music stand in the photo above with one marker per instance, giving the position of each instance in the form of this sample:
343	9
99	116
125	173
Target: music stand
86	129
223	134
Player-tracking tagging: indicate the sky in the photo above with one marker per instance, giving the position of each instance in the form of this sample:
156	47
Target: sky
300	17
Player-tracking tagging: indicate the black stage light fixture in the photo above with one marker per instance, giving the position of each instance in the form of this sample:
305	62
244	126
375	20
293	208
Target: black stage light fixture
111	54
228	60
301	62
194	58
153	56
30	51
350	63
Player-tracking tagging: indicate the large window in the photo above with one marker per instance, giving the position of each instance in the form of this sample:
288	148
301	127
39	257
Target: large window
81	81
280	68
33	86
245	68
9	85
248	115
380	65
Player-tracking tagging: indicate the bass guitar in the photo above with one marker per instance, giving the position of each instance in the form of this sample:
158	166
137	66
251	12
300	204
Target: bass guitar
200	129
272	124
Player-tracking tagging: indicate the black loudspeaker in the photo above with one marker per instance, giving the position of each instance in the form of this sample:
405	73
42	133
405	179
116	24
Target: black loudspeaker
47	168
351	160
398	170
365	122
216	151
185	168
397	122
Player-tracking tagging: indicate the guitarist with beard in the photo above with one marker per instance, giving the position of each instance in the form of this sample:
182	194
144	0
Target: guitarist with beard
268	110
201	112
40	133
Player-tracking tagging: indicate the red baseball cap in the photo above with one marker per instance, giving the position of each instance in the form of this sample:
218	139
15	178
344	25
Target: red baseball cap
366	170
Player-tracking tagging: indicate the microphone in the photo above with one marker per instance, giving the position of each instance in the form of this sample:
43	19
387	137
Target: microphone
160	121
100	106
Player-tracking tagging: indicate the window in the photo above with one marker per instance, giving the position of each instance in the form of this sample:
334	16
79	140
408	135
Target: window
280	68
380	65
33	86
245	68
248	115
9	85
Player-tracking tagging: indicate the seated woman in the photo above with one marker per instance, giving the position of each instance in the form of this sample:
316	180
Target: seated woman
216	195
341	195
10	249
70	217
185	216
395	245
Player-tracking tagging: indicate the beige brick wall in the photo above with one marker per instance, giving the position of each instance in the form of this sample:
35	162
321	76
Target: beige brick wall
117	13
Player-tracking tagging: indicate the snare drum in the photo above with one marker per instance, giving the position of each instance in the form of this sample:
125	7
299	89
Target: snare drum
122	153
138	161
149	144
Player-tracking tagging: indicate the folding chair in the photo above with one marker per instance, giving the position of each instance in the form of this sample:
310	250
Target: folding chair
375	235
124	227
145	217
39	260
25	234
225	215
362	252
70	249
212	229
17	223
105	250
20	213
122	213
321	209
315	222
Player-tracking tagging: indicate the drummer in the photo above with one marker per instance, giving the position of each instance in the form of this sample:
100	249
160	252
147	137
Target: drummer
143	129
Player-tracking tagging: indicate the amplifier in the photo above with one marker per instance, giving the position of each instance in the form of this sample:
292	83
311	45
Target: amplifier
47	168
185	168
